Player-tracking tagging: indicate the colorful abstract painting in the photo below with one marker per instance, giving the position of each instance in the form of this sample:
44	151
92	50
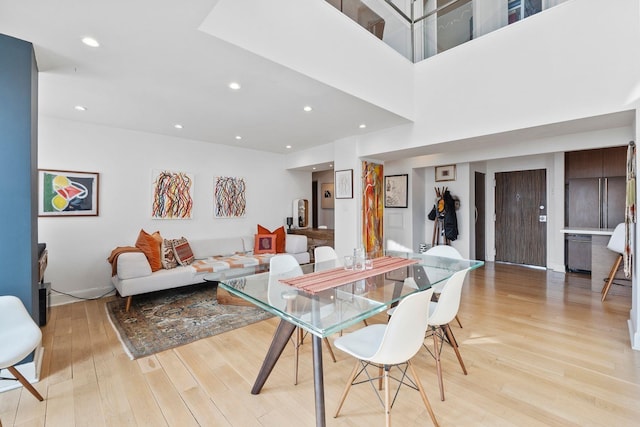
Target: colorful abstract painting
372	208
229	197
67	193
171	195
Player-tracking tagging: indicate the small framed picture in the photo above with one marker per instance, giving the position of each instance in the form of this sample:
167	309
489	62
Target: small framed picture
344	184
326	196
446	173
396	191
67	193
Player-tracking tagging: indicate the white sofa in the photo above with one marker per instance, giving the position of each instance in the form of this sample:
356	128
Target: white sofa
133	272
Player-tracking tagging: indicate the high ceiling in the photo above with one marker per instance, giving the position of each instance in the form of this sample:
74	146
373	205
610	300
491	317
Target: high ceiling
154	69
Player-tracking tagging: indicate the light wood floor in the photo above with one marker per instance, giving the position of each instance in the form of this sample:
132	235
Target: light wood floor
540	349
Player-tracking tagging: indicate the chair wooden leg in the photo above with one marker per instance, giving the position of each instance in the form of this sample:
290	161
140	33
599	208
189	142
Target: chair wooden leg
128	303
333	357
347	387
436	354
25	383
458	320
387	398
423	394
454	344
612	273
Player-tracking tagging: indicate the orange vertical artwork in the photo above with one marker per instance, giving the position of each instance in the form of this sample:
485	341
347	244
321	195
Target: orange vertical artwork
372	208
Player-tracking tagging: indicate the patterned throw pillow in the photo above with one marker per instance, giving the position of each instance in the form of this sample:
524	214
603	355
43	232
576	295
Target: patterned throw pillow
265	244
167	254
182	251
281	236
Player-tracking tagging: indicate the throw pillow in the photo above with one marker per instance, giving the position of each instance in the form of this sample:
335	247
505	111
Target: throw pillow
168	256
149	244
281	237
182	251
265	244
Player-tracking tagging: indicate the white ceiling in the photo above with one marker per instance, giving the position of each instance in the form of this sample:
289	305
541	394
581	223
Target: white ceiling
154	69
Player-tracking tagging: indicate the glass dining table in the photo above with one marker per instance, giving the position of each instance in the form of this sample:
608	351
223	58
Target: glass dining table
324	298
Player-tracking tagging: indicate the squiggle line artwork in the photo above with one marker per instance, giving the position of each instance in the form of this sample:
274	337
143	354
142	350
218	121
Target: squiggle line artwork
172	195
229	197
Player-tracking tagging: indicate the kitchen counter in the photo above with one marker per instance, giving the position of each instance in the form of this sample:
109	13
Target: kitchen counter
588	230
601	258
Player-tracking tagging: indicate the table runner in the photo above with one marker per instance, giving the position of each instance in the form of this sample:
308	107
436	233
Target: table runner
322	280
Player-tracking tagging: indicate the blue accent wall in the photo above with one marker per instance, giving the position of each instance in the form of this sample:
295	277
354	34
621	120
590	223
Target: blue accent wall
18	172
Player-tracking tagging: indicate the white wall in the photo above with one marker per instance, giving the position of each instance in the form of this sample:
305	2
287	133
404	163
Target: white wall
569	62
79	246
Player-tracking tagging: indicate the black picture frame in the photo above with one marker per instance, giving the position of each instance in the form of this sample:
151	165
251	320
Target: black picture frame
396	191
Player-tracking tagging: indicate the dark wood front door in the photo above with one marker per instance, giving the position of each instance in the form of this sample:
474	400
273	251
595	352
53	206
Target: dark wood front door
521	209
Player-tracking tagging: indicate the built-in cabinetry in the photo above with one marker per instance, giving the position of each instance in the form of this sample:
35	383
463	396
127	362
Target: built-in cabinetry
595	188
315	237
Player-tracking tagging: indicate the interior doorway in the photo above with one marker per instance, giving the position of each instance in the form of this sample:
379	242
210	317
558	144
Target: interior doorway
479	217
521	215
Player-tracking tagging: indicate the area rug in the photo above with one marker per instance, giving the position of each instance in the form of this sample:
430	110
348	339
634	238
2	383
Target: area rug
162	320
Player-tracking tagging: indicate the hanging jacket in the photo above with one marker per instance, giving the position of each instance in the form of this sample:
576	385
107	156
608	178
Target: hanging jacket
450	219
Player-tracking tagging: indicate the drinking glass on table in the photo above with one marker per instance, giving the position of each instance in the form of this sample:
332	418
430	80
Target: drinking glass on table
348	262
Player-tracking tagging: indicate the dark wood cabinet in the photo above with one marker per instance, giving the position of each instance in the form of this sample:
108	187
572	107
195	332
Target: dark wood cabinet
595	192
597	163
315	237
614	161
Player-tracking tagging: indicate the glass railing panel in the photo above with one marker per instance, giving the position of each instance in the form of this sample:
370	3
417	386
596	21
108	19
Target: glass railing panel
419	29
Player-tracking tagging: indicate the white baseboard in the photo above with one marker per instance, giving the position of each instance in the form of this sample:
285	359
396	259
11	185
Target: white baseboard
61	299
31	371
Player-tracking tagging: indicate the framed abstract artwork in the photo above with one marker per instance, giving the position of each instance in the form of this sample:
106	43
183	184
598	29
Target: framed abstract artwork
396	189
326	191
446	173
229	197
344	184
67	193
172	195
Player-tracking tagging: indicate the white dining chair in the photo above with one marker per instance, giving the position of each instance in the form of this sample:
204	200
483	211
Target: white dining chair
442	312
616	244
447	252
387	346
285	266
19	336
324	253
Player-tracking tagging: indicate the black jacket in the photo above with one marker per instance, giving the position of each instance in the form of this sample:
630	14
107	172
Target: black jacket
450	219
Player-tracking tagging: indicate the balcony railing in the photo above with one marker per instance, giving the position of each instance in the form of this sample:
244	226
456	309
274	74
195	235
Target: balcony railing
419	29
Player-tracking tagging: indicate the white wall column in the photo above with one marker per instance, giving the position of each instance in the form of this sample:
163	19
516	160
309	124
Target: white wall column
348	212
634	313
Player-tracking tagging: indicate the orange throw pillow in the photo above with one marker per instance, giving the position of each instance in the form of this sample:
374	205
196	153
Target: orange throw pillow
149	244
281	237
265	244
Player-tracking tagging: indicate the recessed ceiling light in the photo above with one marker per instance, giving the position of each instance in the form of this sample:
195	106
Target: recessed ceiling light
313	168
307	108
330	165
177	126
238	137
90	41
234	85
80	108
362	126
288	146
